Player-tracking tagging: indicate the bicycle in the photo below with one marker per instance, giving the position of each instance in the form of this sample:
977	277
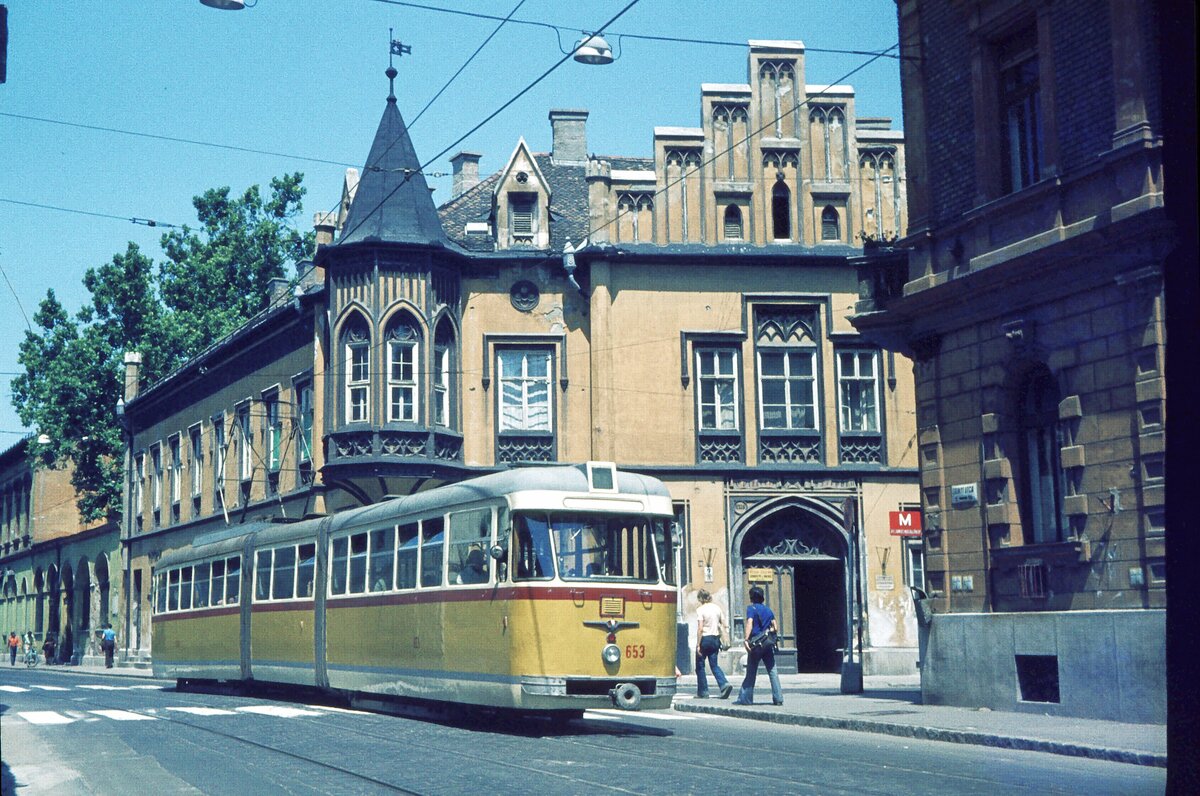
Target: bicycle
30	656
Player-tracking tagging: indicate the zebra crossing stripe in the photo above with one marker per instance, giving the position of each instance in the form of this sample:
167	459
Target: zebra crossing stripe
98	687
197	711
44	717
51	688
279	710
122	715
13	689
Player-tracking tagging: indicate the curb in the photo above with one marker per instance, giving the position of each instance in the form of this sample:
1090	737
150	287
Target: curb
937	734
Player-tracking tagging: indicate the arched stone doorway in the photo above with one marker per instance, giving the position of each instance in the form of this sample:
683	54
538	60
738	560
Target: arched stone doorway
797	550
39	606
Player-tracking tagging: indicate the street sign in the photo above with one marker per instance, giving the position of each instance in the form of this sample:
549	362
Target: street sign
963	496
904	523
760	575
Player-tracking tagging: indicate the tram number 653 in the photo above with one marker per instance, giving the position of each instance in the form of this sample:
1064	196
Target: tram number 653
635	650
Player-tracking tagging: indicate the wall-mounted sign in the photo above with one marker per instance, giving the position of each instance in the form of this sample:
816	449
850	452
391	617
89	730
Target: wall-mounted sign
963	496
885	582
760	575
904	523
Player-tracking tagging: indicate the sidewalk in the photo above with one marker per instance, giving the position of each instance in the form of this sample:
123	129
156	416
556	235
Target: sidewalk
891	705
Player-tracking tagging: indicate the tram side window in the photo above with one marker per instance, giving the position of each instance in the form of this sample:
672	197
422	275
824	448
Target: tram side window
185	588
262	575
233	579
160	596
383	559
532	556
470	536
218	582
283	582
432	538
337	566
173	590
358	563
306	570
202	575
406	557
664	540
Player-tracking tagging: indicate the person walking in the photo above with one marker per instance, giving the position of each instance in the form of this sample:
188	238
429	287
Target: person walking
108	643
14	644
710	629
759	620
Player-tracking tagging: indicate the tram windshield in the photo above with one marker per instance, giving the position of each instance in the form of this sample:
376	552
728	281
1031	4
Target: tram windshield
583	546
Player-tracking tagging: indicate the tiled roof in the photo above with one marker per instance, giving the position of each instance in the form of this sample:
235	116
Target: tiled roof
392	203
568	203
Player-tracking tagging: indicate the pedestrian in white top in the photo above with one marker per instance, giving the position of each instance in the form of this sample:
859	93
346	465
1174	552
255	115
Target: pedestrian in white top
710	629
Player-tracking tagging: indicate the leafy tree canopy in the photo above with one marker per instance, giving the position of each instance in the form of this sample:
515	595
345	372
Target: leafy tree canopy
214	278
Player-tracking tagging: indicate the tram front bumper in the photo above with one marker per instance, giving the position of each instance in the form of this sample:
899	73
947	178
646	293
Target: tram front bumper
548	692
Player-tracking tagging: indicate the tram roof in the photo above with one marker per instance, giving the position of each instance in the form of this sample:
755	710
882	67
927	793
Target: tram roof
546	479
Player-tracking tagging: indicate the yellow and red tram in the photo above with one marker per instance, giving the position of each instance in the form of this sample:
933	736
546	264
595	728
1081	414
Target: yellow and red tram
544	589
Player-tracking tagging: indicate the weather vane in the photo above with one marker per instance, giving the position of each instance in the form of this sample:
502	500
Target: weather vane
397	48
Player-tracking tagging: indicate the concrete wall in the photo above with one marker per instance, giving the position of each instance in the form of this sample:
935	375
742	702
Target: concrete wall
1111	664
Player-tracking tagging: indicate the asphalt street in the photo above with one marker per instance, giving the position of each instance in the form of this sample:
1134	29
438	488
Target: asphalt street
66	733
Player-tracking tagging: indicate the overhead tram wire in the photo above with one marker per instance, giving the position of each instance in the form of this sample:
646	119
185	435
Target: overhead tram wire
146	222
478	49
173	139
558	29
557	256
487	119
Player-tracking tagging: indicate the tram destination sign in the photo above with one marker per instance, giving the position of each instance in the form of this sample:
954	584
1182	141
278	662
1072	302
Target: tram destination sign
904	523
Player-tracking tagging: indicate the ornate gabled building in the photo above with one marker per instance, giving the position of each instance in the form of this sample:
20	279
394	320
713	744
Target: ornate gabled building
683	315
1031	297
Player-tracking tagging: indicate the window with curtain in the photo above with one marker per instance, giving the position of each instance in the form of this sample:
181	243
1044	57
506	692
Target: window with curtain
524	375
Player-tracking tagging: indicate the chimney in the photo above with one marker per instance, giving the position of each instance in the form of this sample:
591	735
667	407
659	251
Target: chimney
325	226
466	173
570	137
277	289
133	367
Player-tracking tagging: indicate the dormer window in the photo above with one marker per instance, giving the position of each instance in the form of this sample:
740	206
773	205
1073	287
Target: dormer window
522	218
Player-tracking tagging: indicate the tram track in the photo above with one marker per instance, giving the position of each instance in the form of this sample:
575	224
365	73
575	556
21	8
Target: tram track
343	727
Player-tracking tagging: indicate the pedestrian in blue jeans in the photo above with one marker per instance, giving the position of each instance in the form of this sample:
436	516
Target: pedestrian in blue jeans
759	618
710	624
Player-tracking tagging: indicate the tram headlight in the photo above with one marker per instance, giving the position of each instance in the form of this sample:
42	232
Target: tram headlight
611	654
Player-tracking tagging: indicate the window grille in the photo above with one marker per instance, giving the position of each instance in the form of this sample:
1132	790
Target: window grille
733	223
1033	580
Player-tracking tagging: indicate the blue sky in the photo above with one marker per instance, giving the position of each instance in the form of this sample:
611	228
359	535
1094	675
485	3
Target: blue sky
305	78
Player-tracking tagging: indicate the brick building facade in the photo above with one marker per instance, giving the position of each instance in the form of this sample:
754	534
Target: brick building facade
1031	299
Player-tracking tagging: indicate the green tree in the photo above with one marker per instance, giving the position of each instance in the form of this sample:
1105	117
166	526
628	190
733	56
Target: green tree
213	280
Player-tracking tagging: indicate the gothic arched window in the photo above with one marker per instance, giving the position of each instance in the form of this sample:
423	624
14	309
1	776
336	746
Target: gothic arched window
356	353
781	212
443	375
1041	496
733	223
403	353
830	224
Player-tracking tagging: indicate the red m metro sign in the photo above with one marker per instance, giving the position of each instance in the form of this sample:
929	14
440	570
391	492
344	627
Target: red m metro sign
905	523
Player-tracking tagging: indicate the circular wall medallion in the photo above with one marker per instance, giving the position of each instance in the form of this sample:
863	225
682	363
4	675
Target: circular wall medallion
522	177
524	295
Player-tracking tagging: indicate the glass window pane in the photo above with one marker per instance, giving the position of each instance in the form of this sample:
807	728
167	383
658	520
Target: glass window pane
406	557
218	582
283	585
202	576
383	559
772	364
185	588
233	580
358	563
306	570
262	575
337	566
160	595
470	537
173	591
431	551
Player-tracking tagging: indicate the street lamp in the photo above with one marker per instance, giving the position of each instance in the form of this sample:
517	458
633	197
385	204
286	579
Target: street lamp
228	5
593	49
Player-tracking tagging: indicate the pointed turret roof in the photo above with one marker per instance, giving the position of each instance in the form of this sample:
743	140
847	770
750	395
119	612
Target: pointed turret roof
392	203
